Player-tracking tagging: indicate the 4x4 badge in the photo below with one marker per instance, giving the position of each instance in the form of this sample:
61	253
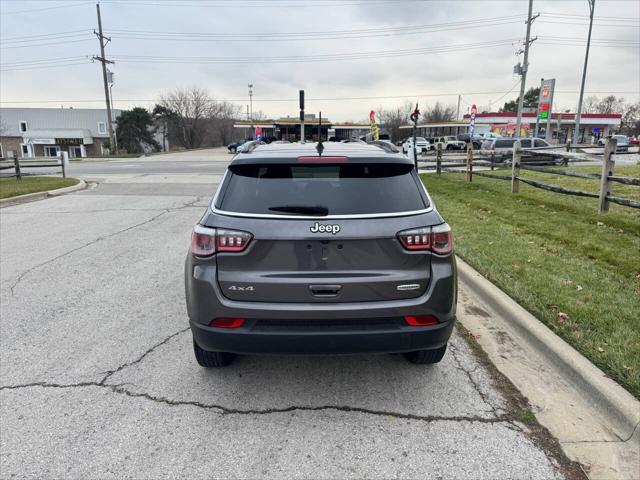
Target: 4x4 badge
322	228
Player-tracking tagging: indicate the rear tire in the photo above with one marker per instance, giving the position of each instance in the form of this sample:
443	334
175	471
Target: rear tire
426	357
209	359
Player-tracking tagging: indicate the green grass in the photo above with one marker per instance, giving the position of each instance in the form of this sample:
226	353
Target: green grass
575	270
10	187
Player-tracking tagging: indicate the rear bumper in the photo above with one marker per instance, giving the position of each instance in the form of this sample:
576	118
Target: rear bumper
272	337
309	328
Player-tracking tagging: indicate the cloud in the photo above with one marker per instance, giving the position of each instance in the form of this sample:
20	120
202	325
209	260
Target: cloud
468	71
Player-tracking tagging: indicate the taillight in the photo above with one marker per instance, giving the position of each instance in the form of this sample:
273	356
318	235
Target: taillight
232	240
416	239
203	241
437	239
225	322
421	320
206	241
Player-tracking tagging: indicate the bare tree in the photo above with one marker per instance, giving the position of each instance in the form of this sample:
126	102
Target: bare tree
590	104
631	119
192	108
392	119
439	113
610	104
224	116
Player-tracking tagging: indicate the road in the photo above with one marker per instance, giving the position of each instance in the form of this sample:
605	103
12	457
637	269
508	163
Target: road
98	379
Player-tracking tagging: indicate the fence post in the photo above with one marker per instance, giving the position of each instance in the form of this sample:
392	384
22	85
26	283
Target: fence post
607	170
16	164
568	145
438	158
470	162
62	162
492	160
515	166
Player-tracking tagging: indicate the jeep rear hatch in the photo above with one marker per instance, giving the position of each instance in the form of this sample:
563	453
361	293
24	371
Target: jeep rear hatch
323	232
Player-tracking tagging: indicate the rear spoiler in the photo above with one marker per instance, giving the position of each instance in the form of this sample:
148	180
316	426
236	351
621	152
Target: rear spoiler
334	158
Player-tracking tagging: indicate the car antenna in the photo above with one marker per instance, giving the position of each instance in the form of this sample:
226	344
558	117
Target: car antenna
320	147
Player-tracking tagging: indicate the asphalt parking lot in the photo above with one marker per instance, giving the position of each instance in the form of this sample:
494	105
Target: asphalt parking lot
98	379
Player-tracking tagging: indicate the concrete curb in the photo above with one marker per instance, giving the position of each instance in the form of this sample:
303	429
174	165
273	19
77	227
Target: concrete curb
617	405
32	197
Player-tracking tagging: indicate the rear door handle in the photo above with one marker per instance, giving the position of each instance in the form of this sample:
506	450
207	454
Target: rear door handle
325	290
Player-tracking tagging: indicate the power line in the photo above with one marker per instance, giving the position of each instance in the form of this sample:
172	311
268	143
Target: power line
38	67
26	37
586	17
175	37
311	58
69	5
40	61
53	62
46	44
331	99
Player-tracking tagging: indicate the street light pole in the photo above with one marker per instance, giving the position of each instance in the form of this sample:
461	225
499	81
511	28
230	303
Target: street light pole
576	133
525	67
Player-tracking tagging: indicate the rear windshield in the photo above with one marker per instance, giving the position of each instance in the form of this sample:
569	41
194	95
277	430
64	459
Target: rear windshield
317	190
504	143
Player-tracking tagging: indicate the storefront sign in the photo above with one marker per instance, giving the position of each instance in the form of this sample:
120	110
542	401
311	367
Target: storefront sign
545	102
68	141
42	141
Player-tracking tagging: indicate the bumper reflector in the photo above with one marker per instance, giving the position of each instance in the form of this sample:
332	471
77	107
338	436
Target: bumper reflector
421	320
225	322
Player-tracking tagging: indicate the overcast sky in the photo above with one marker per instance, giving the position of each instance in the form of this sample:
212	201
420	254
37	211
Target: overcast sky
45	46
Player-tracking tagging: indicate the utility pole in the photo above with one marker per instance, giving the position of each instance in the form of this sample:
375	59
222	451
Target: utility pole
576	133
103	41
253	133
525	67
301	116
458	109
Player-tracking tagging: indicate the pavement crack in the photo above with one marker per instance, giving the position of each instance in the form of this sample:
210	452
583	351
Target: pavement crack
472	381
222	410
49	385
96	240
110	373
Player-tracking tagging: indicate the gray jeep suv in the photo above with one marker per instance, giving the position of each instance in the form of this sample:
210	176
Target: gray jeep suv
312	250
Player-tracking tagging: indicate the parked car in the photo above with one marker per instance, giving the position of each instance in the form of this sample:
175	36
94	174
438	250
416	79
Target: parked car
623	142
634	141
451	143
502	149
466	138
299	253
422	145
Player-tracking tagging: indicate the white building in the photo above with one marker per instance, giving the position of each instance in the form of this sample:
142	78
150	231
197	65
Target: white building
35	132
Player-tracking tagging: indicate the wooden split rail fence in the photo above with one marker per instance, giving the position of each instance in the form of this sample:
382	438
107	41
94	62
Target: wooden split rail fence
606	177
18	165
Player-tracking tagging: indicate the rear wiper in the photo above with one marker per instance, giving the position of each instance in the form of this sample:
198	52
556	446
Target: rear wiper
302	209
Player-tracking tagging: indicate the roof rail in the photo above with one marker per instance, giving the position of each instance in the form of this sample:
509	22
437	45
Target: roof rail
387	147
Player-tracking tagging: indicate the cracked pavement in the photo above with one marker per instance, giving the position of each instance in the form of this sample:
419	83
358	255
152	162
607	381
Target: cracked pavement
98	379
